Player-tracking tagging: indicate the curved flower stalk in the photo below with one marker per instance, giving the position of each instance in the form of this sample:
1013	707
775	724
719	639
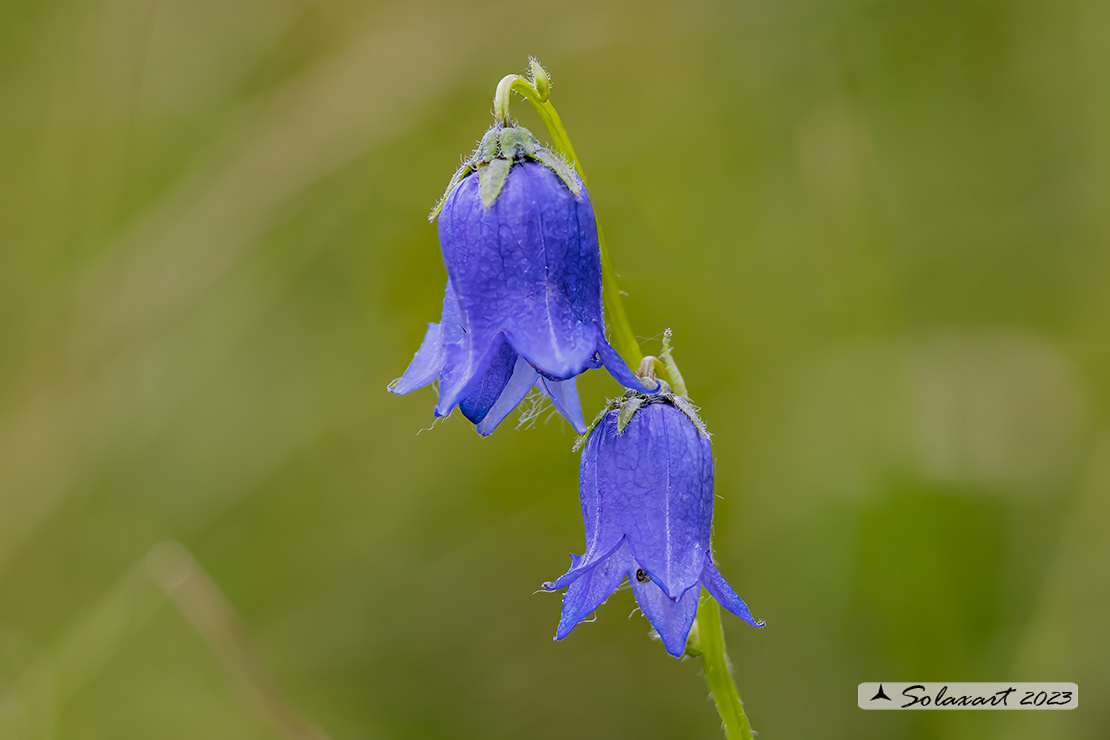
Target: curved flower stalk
522	307
647	499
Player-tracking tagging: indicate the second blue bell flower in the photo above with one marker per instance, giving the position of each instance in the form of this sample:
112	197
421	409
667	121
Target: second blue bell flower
647	500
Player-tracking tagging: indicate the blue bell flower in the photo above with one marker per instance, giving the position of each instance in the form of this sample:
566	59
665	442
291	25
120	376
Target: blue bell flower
647	499
522	307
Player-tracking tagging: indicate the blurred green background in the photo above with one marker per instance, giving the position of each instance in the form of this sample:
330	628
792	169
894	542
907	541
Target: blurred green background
879	231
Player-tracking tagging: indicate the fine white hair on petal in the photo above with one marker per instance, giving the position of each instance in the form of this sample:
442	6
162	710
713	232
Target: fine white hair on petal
435	421
534	404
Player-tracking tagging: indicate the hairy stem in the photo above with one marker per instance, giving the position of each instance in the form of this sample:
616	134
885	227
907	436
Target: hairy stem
714	660
677	381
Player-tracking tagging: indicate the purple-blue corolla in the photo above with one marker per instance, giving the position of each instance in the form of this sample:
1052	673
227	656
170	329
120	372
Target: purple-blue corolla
522	307
647	499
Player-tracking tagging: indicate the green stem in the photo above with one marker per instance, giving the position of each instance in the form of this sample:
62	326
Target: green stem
677	381
623	339
714	660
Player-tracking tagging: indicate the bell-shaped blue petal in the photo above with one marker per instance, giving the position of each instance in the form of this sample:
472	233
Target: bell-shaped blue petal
647	502
528	266
425	366
482	396
522	380
591	590
665	507
719	589
564	397
524	284
649	483
671	618
428	364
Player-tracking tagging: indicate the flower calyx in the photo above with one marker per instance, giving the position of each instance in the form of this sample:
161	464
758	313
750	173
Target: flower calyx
500	148
632	401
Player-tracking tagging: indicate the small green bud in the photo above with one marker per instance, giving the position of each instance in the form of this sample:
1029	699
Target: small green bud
693	641
540	79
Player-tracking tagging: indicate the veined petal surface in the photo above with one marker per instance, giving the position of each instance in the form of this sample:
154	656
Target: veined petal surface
528	265
654	484
522	380
591	590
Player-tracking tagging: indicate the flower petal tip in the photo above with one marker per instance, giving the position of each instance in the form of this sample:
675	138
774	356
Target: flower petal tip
669	646
564	630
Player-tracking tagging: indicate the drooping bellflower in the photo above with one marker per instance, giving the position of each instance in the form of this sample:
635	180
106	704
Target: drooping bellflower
522	307
647	499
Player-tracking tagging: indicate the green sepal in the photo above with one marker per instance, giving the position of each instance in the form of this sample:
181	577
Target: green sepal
488	146
611	404
691	411
558	165
628	408
460	173
517	143
632	401
499	148
491	178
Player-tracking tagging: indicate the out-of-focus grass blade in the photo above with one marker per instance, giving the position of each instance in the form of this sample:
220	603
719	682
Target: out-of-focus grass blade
30	709
208	610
